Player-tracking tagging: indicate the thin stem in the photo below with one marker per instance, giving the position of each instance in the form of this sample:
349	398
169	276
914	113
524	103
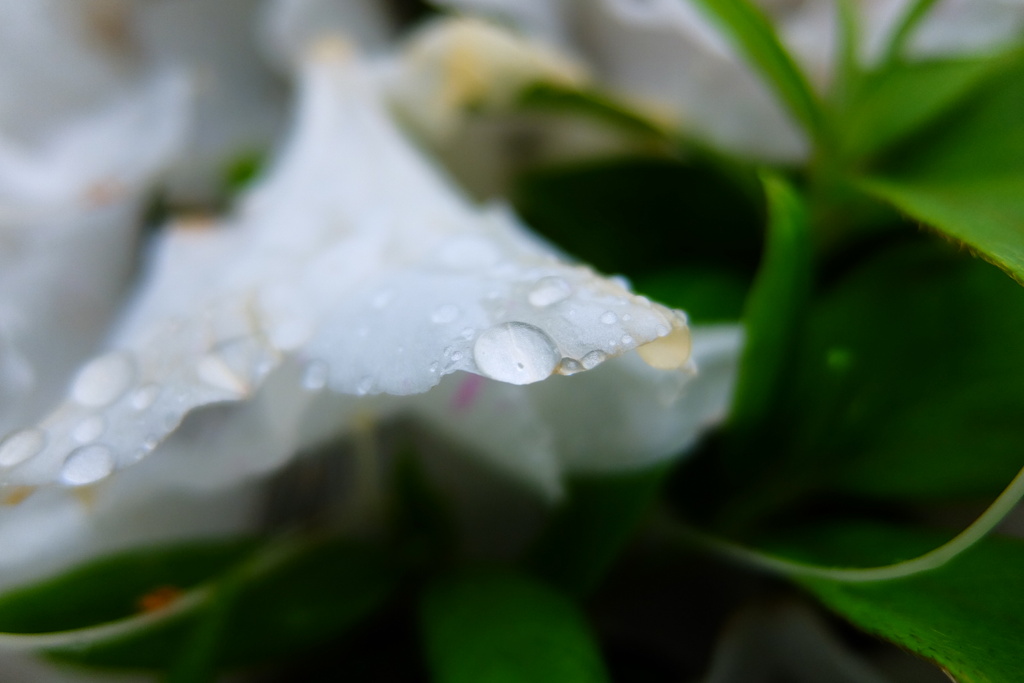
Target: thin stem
934	559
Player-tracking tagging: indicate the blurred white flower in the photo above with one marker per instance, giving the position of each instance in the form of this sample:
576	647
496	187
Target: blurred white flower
669	56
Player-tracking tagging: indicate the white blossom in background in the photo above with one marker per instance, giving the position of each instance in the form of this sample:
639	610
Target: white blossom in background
668	56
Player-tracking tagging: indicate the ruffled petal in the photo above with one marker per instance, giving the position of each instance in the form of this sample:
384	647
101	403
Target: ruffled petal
356	261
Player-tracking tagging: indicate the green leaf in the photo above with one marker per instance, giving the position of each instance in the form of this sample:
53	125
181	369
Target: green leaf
774	309
502	628
707	294
890	104
964	175
643	215
589	528
755	37
912	380
597	105
242	603
966	615
116	587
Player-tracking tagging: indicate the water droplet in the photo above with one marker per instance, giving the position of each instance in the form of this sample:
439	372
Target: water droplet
145	448
669	352
444	314
457	356
89	429
364	386
515	352
569	366
235	365
104	380
433	367
609	318
627	340
382	299
467	333
20	446
662	330
549	291
144	396
314	376
593	359
86	465
622	281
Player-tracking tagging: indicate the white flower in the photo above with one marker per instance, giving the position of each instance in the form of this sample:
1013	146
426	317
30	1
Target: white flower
666	54
353	281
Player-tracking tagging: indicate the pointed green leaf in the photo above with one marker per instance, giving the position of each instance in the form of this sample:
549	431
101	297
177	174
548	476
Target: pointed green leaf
967	616
964	175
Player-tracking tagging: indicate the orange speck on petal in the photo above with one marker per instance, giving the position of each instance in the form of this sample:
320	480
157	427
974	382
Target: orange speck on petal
158	598
16	495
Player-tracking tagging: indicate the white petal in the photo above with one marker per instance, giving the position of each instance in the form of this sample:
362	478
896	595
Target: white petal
70	196
290	27
239	103
356	255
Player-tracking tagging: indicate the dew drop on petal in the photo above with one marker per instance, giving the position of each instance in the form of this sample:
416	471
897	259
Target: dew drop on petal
609	318
104	380
569	366
314	376
662	330
515	352
89	429
144	396
593	359
86	465
626	340
20	446
669	352
549	291
467	333
456	356
444	314
364	386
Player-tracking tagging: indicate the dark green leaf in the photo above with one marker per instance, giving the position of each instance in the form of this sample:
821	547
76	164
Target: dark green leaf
775	307
966	615
890	104
499	628
912	379
641	215
115	587
708	295
264	606
964	175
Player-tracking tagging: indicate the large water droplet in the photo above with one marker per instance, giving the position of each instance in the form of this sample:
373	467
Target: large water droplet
104	380
593	359
89	429
20	446
609	318
549	291
669	352
314	377
86	465
515	352
444	314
